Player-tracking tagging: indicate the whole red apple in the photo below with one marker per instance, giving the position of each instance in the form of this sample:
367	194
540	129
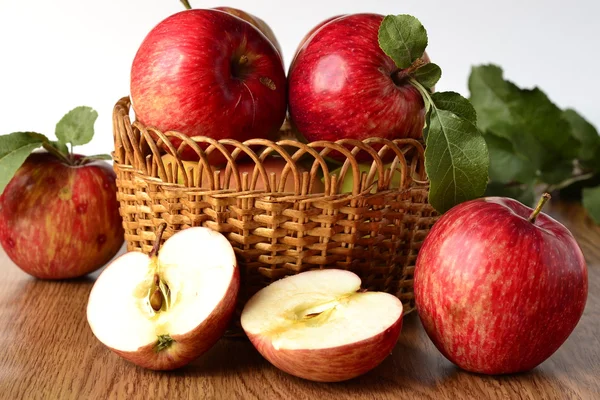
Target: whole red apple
206	72
342	85
255	21
498	290
60	221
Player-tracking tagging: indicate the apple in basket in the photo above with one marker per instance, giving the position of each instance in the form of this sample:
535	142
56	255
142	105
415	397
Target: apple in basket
255	21
498	287
342	85
311	32
163	311
206	72
320	326
272	166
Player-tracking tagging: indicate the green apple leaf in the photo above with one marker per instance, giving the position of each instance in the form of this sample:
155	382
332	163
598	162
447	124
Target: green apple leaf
456	160
591	202
456	104
506	165
77	126
403	38
523	192
14	150
428	75
526	117
559	172
585	133
61	147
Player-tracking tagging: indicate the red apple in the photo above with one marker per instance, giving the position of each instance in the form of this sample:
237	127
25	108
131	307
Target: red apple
319	325
163	311
256	22
271	166
206	72
498	290
60	221
310	33
342	85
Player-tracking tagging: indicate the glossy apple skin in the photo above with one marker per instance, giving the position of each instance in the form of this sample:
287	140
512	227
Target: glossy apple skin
186	76
59	221
255	21
333	364
193	344
309	35
496	293
340	86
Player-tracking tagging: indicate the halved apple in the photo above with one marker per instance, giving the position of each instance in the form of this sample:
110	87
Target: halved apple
163	311
320	326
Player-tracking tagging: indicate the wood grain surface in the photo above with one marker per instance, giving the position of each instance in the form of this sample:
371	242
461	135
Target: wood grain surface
48	351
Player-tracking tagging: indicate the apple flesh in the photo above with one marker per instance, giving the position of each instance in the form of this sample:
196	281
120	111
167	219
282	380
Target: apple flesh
161	312
60	221
272	166
342	85
318	325
496	292
208	73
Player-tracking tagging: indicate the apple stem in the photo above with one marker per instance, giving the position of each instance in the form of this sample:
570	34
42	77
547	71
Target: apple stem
243	59
159	232
186	4
543	200
401	75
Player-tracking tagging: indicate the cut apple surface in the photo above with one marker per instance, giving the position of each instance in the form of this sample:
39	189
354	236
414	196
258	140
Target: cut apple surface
319	325
161	312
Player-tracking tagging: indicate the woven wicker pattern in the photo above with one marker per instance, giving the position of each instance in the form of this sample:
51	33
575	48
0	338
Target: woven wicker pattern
375	231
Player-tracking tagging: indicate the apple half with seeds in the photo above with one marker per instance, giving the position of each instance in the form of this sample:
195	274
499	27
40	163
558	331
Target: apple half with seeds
163	310
319	325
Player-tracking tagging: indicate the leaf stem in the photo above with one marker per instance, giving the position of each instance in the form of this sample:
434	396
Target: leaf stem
401	75
570	181
424	92
57	153
186	4
545	197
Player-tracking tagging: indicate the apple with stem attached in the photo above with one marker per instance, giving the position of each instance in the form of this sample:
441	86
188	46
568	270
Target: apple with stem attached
163	310
59	215
342	85
208	73
499	287
319	325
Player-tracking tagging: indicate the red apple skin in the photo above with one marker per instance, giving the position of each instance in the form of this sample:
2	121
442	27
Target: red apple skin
59	221
340	86
186	348
496	293
187	76
256	22
310	33
333	364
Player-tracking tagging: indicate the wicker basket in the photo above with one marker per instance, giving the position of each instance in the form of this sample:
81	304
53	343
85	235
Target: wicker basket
375	231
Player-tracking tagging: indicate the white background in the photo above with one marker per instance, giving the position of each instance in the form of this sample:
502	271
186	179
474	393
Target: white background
58	54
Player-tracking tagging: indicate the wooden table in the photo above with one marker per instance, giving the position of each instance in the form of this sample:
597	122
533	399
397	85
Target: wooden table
48	351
